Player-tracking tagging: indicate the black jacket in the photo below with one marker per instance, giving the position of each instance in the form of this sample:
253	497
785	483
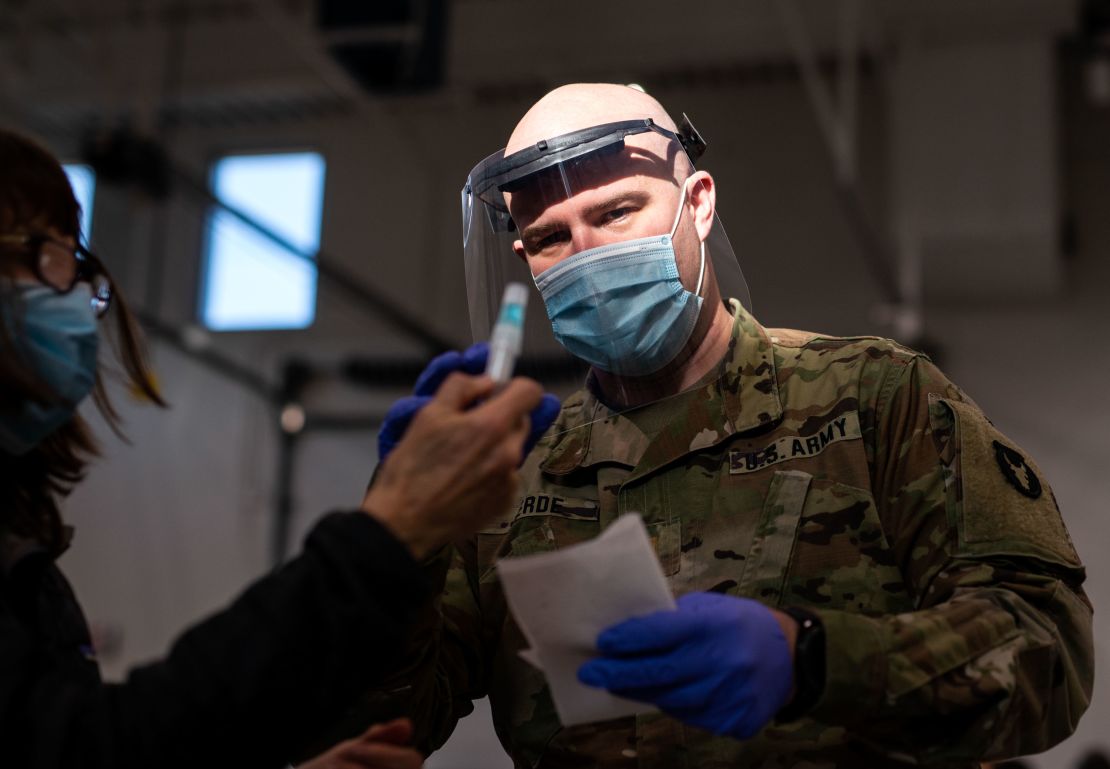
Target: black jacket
248	687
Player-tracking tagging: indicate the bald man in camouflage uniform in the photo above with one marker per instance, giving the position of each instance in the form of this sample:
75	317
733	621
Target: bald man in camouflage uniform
844	477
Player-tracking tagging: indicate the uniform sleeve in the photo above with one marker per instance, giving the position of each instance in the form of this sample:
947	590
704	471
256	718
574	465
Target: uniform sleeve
251	683
446	658
997	658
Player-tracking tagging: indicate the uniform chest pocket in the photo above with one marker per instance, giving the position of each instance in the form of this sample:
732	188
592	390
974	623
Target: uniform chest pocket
820	543
768	560
542	523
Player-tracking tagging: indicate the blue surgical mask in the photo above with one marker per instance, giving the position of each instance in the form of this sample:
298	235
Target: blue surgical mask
621	307
58	340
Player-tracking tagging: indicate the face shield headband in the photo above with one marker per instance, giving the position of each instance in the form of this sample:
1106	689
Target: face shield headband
490	181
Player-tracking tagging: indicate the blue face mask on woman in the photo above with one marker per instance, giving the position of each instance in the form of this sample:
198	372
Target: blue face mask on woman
621	307
58	341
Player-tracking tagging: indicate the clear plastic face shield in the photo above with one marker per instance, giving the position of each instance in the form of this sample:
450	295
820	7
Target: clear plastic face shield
615	233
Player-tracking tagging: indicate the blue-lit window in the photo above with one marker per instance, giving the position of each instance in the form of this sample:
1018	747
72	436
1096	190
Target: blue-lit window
83	181
251	281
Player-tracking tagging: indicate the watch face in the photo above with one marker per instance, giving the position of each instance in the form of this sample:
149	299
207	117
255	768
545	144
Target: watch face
809	659
809	666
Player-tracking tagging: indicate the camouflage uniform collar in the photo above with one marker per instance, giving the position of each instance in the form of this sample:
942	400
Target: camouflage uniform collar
743	396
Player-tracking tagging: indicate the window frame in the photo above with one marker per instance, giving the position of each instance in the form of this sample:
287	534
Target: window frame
208	234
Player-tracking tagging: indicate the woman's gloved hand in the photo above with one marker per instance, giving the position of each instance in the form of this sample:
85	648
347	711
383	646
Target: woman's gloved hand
470	361
719	662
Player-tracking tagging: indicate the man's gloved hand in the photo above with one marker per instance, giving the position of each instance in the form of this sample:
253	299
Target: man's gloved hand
471	361
719	662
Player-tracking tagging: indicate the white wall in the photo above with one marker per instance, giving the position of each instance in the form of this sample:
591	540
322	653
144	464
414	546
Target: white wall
975	167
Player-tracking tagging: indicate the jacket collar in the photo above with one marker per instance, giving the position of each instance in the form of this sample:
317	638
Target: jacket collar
742	396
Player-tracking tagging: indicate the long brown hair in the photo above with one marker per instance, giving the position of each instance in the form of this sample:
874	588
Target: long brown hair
35	194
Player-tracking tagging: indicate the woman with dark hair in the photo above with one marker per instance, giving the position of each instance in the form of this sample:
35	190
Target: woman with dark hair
259	681
45	277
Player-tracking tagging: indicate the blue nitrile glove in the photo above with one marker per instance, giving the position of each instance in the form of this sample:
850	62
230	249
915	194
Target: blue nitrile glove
718	662
542	417
471	361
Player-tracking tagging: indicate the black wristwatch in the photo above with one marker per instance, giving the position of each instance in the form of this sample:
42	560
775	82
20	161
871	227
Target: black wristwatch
809	665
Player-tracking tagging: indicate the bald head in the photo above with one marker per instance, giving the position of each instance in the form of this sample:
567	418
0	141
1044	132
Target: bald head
582	105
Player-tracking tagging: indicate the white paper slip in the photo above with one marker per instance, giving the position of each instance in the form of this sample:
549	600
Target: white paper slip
562	600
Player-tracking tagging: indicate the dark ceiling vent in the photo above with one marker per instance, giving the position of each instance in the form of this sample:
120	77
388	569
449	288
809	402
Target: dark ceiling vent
389	46
122	156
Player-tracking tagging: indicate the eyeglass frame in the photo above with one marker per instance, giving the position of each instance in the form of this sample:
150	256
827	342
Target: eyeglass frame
89	267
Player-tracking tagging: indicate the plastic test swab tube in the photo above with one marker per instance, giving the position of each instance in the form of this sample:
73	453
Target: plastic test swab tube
507	337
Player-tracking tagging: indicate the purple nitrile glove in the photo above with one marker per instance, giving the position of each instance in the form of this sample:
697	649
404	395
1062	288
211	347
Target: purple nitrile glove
470	361
717	661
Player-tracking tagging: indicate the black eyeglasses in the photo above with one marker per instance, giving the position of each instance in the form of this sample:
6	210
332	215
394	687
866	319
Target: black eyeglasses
61	267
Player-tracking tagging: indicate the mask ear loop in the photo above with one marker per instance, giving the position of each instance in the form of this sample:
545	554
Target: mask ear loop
674	229
701	272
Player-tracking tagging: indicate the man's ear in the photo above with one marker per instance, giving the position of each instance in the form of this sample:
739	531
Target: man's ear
703	194
518	248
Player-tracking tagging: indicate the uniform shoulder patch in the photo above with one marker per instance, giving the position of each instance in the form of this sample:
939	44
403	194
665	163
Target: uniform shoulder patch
1016	470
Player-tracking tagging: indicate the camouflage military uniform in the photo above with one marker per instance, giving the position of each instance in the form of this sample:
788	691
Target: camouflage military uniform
847	476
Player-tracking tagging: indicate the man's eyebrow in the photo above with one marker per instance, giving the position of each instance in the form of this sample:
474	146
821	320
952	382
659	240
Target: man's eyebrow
534	231
637	197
